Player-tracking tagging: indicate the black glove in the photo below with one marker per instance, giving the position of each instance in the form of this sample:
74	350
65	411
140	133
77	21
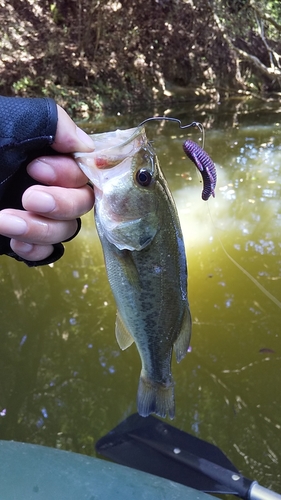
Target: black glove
27	129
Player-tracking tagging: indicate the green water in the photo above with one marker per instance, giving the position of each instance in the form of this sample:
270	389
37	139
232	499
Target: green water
63	380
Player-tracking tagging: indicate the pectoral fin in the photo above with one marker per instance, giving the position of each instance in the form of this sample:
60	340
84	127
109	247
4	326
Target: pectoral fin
124	338
128	267
182	343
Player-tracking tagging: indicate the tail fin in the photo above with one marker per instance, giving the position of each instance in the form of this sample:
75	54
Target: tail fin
155	398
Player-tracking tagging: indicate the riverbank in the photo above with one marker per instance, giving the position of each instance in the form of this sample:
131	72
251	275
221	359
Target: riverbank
95	56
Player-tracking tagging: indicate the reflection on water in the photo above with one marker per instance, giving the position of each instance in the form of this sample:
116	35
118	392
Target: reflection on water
63	380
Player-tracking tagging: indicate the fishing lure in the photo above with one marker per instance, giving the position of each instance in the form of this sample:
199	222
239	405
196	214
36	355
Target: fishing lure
197	155
205	166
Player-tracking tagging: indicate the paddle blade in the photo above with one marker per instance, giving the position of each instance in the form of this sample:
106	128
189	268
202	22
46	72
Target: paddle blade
145	444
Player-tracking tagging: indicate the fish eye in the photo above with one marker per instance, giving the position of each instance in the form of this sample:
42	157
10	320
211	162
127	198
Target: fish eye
143	177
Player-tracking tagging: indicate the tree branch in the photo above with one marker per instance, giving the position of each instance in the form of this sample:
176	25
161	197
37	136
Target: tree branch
265	16
272	73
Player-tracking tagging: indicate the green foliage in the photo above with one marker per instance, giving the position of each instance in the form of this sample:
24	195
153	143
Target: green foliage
24	85
56	16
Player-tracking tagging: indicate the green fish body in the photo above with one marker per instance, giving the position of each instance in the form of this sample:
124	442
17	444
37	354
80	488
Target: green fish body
144	253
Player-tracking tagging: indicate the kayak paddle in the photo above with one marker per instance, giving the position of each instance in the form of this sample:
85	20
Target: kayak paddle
150	445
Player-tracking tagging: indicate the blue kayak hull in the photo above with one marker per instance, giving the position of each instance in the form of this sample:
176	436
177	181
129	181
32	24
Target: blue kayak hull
30	472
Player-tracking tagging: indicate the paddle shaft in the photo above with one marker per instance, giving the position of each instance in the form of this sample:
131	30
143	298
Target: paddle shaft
238	484
258	492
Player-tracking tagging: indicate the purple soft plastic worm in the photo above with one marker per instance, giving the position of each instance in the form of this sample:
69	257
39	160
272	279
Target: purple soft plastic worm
205	165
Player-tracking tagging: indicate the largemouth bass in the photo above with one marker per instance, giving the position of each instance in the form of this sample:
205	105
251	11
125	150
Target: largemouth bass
144	253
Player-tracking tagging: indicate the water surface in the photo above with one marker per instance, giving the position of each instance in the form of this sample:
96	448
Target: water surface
64	381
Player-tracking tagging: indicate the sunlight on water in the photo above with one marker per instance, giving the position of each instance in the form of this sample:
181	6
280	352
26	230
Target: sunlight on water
63	379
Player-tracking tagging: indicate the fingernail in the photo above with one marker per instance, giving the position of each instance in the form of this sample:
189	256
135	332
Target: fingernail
11	225
39	201
85	138
39	168
21	246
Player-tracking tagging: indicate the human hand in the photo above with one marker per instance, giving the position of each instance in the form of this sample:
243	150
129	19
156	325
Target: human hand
51	210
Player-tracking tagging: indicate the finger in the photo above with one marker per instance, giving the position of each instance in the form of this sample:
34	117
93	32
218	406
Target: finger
35	229
69	137
31	252
57	171
58	203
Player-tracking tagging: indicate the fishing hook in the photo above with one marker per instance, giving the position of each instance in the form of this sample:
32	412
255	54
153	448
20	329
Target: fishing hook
168	118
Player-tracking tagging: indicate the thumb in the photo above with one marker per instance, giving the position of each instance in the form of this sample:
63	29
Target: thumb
70	138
